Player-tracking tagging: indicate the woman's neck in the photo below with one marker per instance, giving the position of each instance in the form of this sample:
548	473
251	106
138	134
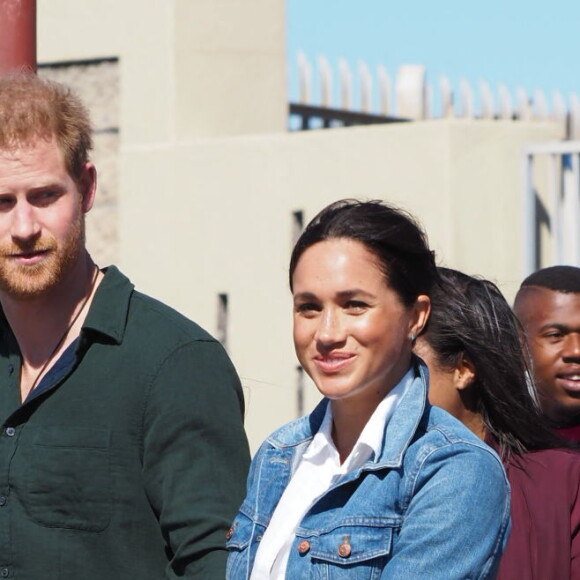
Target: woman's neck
349	418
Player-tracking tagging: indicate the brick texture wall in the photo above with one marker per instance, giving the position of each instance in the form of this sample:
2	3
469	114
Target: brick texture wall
97	84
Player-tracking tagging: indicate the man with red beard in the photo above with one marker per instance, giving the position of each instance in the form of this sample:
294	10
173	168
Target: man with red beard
122	450
548	306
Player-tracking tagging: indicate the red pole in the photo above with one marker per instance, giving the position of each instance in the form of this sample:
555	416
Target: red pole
17	35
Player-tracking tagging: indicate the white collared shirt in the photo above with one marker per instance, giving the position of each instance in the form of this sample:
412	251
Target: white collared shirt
318	470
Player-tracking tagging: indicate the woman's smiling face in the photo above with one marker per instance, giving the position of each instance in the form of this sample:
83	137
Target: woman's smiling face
351	330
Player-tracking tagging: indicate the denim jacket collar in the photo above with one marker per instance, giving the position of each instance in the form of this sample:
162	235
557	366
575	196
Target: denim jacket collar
399	433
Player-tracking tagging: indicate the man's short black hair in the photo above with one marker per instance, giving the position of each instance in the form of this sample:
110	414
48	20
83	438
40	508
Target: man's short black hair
559	278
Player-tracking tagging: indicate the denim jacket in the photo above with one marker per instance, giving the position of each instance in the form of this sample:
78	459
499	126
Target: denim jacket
434	505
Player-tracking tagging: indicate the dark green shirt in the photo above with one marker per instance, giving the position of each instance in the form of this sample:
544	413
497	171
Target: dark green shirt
132	465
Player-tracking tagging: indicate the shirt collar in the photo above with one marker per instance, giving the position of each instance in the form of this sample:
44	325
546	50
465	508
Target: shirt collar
108	311
370	441
322	440
110	305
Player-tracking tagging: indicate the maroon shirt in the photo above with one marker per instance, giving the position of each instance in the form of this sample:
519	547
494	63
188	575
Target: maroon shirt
544	543
570	433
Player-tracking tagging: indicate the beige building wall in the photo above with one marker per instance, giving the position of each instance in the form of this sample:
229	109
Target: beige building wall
188	69
225	227
209	180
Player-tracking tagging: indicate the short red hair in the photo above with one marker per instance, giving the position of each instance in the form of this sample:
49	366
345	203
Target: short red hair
31	107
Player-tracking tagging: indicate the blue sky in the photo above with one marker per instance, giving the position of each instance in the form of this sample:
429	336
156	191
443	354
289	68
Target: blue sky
532	44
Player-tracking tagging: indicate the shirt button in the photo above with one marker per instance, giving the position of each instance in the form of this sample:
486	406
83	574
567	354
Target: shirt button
303	547
2	501
4	573
344	549
10	431
10	369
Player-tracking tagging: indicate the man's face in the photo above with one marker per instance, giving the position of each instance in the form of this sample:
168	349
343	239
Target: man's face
41	218
551	321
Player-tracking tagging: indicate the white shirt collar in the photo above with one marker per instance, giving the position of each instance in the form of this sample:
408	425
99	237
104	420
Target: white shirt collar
370	441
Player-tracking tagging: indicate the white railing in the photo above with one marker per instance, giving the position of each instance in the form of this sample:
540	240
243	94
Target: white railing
560	210
411	97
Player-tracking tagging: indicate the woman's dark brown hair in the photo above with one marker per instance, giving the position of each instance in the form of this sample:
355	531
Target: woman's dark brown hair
389	233
470	317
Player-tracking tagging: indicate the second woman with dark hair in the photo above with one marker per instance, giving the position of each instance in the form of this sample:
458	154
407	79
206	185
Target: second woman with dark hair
479	372
374	483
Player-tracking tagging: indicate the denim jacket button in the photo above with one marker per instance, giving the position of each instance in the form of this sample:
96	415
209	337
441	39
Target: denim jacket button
229	533
303	546
344	549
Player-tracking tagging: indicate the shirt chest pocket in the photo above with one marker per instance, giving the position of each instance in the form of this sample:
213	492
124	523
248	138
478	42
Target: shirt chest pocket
66	479
348	552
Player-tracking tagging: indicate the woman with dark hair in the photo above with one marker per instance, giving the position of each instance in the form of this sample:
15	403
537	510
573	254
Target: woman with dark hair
374	483
480	373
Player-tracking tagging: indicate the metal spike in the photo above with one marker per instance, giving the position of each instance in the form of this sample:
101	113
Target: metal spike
385	88
559	109
345	85
446	92
465	99
540	106
366	87
506	110
487	109
325	73
428	102
304	79
524	105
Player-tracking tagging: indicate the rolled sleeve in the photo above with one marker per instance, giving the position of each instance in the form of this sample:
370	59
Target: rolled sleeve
195	456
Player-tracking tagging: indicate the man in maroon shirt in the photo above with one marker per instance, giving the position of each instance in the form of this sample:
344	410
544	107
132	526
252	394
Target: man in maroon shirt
548	306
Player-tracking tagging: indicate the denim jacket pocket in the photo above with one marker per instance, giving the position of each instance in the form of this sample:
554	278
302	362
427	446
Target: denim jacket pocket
239	540
357	551
240	534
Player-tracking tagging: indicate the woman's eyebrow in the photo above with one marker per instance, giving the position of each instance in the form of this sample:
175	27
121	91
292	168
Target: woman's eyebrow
304	296
354	292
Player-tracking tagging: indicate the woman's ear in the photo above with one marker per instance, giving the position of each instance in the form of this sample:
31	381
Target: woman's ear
422	308
464	373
